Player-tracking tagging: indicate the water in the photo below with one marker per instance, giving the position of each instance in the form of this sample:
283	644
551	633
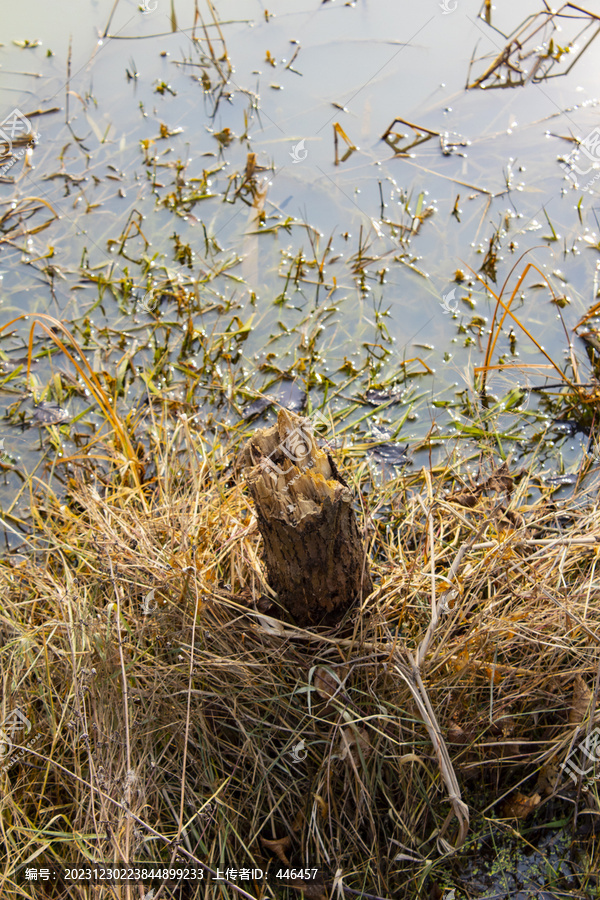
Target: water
134	173
502	870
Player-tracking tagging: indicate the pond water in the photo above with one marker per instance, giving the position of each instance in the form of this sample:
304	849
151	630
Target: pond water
182	213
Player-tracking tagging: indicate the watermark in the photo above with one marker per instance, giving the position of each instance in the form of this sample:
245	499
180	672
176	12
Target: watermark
446	7
299	752
149	301
37	874
583	159
449	302
446	599
299	152
14	127
590	747
297	446
12	730
149	604
243	874
146	8
15	721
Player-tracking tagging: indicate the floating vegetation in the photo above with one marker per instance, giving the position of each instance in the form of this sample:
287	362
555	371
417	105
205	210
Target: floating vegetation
420	135
533	51
339	131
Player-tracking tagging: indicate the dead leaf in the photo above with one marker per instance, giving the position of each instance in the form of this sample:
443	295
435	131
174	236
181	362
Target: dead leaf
514	518
264	604
580	701
327	684
278	847
508	726
323	806
436	892
465	498
548	777
312	890
50	413
298	821
519	806
493	674
500	480
458	735
354	742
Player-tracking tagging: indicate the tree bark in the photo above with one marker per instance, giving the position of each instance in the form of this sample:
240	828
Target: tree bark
315	558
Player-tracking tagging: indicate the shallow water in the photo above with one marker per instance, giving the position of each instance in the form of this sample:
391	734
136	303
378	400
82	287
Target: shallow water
360	65
503	870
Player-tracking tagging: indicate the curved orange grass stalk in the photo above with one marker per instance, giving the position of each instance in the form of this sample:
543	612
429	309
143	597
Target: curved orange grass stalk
91	380
10	237
507	312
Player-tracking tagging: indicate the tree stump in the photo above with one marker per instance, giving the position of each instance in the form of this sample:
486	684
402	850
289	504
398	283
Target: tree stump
315	559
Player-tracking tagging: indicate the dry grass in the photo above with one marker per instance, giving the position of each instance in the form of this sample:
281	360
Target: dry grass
167	721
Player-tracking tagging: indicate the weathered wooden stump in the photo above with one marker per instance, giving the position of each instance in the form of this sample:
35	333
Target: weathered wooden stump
315	558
